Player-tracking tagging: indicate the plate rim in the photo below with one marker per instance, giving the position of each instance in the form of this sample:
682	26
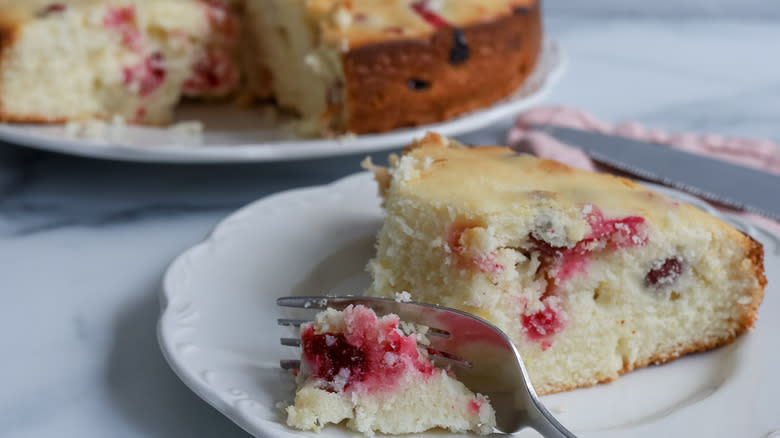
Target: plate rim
280	151
164	295
213	399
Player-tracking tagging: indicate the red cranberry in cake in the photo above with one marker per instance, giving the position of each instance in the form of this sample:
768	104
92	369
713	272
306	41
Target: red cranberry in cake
364	369
122	19
545	323
214	74
54	8
372	353
423	9
579	269
665	273
147	76
460	51
418	84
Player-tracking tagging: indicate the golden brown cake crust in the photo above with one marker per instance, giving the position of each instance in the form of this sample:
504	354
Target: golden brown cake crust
8	34
755	255
413	82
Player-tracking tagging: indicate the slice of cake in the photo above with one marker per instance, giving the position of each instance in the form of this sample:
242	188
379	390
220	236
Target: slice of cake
366	370
376	65
96	59
590	275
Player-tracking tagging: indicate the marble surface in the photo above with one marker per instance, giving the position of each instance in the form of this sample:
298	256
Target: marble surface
83	243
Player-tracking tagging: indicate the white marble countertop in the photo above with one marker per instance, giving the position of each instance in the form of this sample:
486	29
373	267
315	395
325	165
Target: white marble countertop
83	243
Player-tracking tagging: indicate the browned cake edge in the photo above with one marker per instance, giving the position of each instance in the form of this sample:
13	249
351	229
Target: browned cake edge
420	81
9	32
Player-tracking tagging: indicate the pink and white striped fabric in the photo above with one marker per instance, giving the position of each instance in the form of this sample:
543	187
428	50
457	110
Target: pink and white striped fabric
759	154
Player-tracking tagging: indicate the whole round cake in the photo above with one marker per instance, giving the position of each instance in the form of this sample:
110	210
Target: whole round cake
343	66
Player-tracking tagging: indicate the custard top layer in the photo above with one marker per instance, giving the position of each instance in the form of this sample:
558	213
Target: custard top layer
355	23
496	180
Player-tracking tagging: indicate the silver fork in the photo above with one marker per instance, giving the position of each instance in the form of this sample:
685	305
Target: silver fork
481	356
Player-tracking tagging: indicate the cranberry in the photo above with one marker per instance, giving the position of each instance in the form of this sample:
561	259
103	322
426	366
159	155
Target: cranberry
146	76
215	73
605	234
140	114
544	323
666	274
460	51
423	10
620	233
54	8
122	19
373	352
329	353
475	405
418	84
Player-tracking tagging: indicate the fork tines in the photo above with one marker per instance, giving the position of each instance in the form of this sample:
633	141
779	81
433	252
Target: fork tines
290	364
304	302
291	342
287	322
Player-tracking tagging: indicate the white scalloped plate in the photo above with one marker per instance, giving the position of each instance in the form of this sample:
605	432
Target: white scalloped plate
237	135
218	326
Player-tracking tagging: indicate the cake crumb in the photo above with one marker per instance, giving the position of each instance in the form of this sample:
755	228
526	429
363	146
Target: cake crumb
314	63
187	133
92	129
187	128
346	137
403	297
343	18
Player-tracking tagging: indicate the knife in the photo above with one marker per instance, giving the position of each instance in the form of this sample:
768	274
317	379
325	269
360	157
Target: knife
730	184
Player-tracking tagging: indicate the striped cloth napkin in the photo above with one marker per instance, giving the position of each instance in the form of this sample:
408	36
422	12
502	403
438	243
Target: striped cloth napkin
759	154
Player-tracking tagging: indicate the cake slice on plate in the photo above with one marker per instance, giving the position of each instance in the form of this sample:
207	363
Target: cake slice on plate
366	370
96	59
590	275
